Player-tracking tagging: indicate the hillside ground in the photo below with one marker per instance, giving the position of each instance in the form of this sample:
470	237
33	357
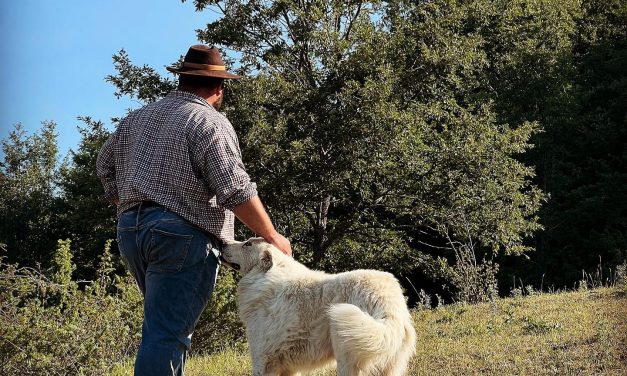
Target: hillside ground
569	333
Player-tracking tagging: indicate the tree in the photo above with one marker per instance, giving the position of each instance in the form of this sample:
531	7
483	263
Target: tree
362	113
141	83
27	195
43	201
562	64
85	217
372	142
588	171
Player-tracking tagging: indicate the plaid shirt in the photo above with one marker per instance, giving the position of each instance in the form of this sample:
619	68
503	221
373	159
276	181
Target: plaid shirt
180	153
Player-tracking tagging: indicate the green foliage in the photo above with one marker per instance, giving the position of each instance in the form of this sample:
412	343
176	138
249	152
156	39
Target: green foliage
106	270
389	135
84	215
471	281
352	142
219	327
62	266
142	83
372	129
44	200
85	332
49	324
27	195
579	97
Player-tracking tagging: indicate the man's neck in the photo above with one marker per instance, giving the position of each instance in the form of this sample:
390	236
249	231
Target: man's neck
207	95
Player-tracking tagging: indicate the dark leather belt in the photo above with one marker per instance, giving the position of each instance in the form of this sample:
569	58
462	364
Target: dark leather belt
144	205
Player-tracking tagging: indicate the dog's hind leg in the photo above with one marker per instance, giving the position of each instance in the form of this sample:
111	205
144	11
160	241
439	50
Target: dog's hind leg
393	369
400	369
345	363
347	368
395	365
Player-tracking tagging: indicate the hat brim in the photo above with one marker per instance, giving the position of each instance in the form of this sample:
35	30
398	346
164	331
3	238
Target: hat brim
205	73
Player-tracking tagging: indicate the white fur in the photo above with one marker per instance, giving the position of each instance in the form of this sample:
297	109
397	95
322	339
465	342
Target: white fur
299	319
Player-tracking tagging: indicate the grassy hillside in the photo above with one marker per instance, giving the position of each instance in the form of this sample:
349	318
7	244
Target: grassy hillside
572	333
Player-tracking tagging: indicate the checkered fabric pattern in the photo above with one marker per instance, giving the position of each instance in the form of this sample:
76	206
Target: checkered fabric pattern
180	153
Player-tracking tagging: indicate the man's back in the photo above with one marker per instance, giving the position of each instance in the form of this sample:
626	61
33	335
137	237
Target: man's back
181	153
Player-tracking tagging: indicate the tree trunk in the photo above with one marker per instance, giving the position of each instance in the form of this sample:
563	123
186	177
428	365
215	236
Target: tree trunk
320	231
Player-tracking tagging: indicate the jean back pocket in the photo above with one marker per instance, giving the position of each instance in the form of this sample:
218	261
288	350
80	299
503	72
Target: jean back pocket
168	250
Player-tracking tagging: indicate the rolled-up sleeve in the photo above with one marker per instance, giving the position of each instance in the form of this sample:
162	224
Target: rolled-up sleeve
217	155
105	168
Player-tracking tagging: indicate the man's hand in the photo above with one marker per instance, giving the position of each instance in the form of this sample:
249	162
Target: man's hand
281	242
254	216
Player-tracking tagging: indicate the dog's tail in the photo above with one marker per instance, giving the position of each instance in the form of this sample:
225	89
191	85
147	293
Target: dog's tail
357	332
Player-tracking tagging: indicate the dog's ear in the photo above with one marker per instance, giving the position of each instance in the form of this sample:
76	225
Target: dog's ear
265	260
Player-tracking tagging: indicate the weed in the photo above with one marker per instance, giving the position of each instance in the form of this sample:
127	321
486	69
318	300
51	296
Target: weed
533	325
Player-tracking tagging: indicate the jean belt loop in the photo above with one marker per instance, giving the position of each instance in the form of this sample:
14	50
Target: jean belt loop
139	209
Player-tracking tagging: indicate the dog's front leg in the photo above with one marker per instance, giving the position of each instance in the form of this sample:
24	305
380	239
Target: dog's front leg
259	366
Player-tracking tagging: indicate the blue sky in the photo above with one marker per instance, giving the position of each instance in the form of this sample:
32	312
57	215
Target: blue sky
57	53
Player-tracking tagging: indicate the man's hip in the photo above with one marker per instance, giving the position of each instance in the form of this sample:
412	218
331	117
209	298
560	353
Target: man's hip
153	239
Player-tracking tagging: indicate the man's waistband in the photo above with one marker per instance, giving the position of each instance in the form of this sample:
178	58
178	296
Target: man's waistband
144	205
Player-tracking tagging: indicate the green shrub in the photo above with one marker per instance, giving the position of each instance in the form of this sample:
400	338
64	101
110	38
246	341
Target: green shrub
219	327
50	324
48	327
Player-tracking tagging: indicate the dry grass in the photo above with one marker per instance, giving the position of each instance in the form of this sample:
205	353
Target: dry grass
573	333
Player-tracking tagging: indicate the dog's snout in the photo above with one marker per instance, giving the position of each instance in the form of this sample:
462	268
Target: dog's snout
225	254
227	259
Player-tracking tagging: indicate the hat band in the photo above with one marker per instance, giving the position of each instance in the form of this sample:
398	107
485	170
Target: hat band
205	66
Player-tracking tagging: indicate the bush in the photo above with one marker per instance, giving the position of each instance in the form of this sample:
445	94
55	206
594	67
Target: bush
47	327
219	327
50	324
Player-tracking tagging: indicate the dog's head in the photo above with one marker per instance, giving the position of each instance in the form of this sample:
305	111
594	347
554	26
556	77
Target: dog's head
253	254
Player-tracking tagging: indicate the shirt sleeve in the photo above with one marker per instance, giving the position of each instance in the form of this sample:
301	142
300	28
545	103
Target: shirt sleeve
105	168
215	151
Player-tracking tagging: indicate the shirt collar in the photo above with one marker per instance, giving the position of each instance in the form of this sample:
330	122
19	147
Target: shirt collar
186	95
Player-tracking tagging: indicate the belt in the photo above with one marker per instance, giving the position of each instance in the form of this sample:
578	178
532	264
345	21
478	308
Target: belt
144	205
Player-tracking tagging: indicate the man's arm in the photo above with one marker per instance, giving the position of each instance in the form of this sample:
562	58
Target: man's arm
254	216
216	154
105	169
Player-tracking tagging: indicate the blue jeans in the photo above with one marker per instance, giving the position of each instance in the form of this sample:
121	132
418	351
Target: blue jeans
175	265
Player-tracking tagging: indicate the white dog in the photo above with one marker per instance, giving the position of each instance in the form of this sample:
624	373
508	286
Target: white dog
299	319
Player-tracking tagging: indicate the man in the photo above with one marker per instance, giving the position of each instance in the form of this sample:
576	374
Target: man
174	170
